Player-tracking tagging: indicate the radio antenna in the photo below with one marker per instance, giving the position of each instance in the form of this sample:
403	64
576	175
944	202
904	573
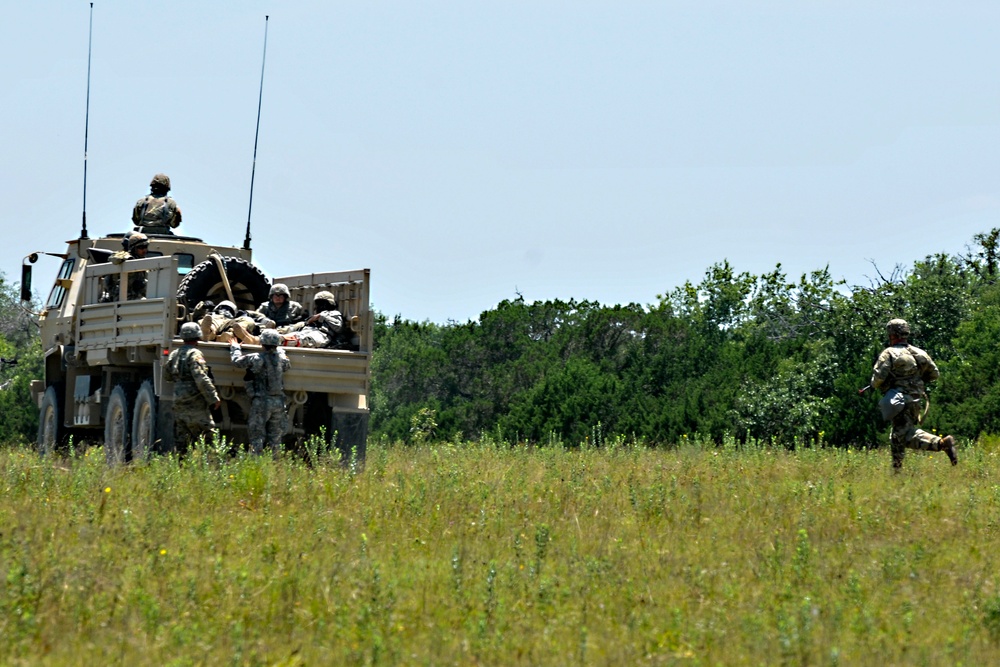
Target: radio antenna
253	170
86	124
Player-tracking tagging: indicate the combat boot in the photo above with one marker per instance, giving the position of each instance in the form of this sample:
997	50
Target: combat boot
245	335
207	332
947	445
225	337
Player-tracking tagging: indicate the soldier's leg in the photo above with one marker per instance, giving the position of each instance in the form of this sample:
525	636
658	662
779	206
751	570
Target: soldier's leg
277	424
902	425
256	424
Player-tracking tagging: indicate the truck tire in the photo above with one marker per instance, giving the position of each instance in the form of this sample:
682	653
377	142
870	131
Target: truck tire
249	284
117	431
49	422
144	422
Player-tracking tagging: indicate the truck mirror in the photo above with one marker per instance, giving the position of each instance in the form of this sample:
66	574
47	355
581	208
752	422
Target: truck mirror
26	282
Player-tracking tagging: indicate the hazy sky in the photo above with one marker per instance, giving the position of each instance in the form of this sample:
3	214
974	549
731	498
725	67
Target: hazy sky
466	152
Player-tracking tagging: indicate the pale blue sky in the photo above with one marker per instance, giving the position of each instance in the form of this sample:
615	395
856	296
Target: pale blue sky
468	151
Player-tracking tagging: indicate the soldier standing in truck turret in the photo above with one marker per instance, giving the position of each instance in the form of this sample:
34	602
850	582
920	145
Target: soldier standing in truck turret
195	395
157	213
268	419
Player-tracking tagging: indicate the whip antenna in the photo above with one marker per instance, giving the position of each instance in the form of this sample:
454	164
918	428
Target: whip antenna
253	170
86	124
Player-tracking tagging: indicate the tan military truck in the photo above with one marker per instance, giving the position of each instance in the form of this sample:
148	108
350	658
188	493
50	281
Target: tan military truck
104	353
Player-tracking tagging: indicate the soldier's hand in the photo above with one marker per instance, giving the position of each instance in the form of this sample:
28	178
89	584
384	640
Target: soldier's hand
216	405
234	344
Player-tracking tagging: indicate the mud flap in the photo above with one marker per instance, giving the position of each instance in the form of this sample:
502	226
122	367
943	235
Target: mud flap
165	427
352	436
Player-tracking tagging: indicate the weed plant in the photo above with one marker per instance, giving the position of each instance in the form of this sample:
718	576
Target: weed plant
457	553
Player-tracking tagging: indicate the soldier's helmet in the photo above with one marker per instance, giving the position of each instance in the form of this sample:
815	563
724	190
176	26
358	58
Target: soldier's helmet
279	288
226	306
160	182
898	327
137	240
190	331
270	338
324	301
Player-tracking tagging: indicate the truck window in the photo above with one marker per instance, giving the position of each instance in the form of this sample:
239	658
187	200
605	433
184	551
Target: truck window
58	292
185	262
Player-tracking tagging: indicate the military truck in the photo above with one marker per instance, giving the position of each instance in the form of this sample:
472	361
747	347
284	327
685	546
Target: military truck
104	354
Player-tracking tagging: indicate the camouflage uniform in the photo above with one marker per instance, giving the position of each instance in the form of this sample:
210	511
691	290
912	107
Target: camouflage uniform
225	326
136	280
325	331
291	312
907	368
268	418
156	212
194	394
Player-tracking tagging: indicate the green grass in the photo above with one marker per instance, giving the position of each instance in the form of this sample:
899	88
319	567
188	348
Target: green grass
480	554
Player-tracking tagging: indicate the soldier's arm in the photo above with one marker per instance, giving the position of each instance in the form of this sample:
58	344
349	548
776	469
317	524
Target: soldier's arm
928	369
199	371
176	219
241	360
882	369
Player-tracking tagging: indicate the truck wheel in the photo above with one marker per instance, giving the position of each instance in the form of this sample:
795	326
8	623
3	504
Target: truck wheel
116	427
49	422
249	284
144	422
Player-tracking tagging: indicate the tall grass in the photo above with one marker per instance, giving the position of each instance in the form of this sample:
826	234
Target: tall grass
490	554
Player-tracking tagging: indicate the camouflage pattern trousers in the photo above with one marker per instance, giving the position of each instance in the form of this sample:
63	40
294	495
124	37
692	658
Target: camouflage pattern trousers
192	419
905	434
267	421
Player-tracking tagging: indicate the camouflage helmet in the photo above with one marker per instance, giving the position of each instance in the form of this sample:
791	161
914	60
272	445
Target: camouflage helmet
270	338
279	288
225	305
325	301
138	240
190	331
898	327
160	181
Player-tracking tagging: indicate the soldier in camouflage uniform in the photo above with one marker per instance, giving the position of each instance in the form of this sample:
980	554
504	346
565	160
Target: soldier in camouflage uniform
268	419
325	328
156	212
280	307
194	392
225	324
136	246
907	368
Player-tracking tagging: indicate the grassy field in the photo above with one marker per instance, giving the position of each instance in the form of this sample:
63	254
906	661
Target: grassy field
482	554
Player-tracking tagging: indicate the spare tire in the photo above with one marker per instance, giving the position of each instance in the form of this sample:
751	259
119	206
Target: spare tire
249	284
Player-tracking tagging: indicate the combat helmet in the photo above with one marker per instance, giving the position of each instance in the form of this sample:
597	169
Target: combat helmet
279	288
226	305
137	240
190	331
325	301
160	182
270	338
898	327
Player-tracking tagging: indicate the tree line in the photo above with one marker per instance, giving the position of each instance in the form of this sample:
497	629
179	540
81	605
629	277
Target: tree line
762	357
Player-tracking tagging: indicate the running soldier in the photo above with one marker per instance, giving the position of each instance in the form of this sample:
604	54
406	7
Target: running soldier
194	392
901	372
157	213
280	307
136	245
268	419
